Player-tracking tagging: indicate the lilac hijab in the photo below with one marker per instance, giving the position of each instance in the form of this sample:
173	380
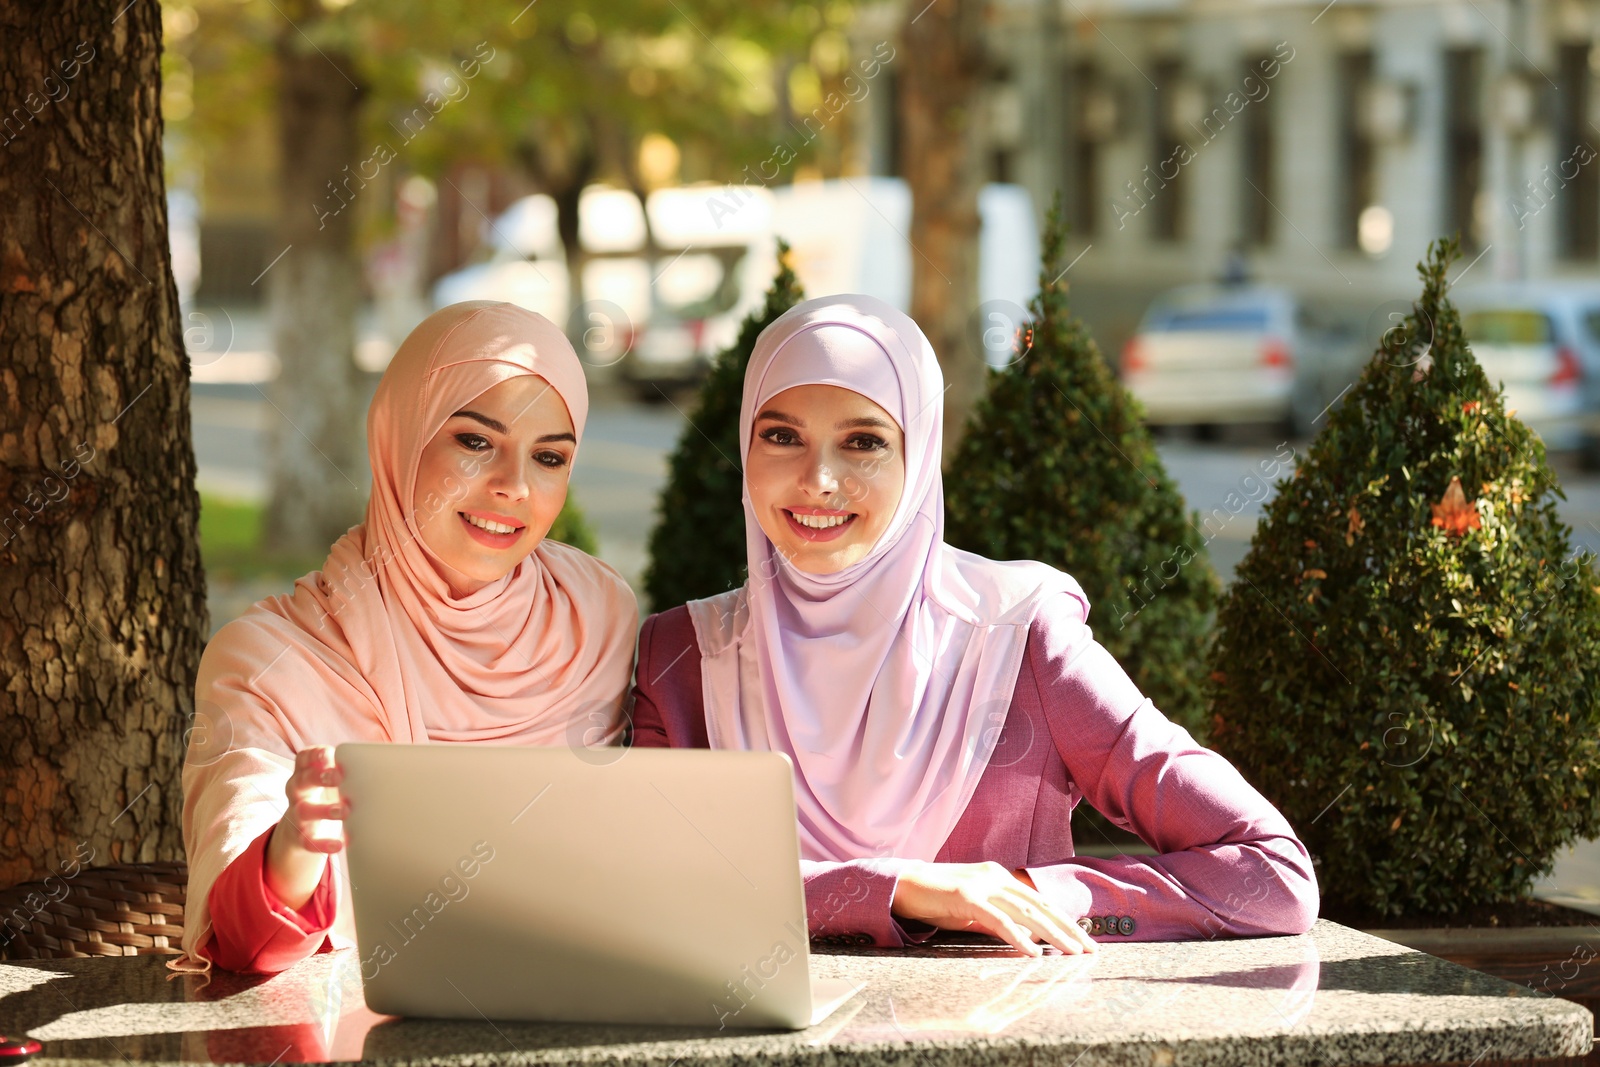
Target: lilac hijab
886	683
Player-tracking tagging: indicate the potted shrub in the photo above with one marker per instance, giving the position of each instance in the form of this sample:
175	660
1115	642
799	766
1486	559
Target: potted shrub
1407	663
1057	465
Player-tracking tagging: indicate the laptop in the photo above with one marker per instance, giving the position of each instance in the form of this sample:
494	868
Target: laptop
616	885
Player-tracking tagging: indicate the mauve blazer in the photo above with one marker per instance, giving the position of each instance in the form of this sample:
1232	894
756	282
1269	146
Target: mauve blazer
1077	728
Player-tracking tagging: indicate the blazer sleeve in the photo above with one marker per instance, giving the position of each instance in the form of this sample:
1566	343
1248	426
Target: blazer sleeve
646	728
1228	862
253	931
668	710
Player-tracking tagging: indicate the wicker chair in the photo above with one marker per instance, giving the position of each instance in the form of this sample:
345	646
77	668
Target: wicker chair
130	909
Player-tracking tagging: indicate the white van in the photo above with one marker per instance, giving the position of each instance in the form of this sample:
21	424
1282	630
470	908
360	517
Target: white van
661	320
524	264
851	235
719	254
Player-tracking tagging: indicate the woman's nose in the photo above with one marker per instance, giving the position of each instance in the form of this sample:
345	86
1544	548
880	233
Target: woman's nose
820	478
510	477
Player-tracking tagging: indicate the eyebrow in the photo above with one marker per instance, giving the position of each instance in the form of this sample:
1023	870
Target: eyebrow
494	424
499	427
849	424
867	421
778	416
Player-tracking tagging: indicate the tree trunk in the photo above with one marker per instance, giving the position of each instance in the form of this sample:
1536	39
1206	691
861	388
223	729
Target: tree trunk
561	159
943	48
567	198
102	595
318	475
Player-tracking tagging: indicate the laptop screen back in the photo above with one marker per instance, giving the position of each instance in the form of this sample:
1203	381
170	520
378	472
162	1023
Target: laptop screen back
598	885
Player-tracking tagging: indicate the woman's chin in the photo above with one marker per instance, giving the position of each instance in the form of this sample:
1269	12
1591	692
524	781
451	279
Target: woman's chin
467	573
811	559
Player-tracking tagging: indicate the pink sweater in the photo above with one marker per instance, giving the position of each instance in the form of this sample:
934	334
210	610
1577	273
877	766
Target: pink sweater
1077	728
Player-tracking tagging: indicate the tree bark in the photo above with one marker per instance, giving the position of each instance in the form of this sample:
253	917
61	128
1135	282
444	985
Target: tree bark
561	159
318	477
941	81
102	595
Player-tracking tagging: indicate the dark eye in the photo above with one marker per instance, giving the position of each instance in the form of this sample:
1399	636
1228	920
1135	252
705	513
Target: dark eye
868	442
779	435
473	442
553	460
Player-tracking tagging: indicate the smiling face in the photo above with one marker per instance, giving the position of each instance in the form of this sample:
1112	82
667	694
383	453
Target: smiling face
497	471
825	472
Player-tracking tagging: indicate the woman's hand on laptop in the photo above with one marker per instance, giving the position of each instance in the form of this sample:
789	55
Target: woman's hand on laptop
988	898
300	844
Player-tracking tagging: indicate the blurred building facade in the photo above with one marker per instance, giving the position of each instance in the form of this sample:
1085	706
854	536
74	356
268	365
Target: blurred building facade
1327	143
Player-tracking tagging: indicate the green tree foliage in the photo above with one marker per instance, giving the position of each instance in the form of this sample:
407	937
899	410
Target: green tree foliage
1057	466
1407	663
697	547
554	88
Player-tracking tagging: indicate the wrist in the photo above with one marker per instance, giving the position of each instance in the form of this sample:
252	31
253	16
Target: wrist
291	873
908	869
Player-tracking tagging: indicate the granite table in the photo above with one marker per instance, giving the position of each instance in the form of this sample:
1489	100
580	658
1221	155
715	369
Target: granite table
1331	996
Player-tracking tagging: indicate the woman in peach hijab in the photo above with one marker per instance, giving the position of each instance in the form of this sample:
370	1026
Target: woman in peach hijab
444	617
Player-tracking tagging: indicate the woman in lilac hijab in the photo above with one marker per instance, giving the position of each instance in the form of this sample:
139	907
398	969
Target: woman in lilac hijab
944	712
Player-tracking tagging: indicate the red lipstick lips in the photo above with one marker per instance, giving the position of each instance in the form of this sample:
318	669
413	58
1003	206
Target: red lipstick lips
485	537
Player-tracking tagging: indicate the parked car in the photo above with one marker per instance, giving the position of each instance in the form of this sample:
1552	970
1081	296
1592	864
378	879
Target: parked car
1541	342
1215	354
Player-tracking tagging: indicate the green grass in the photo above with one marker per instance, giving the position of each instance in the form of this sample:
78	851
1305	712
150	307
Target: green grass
230	544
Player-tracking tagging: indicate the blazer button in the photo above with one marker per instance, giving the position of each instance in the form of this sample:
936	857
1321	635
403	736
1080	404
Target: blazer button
861	939
1085	923
1097	926
1125	925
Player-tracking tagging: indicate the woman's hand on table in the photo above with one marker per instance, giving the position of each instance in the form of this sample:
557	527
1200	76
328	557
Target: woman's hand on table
988	898
298	850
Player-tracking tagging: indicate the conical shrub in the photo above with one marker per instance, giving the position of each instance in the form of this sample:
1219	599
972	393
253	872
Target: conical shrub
697	547
1407	663
1057	466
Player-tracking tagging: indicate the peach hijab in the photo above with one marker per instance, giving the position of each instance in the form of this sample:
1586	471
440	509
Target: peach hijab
373	647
